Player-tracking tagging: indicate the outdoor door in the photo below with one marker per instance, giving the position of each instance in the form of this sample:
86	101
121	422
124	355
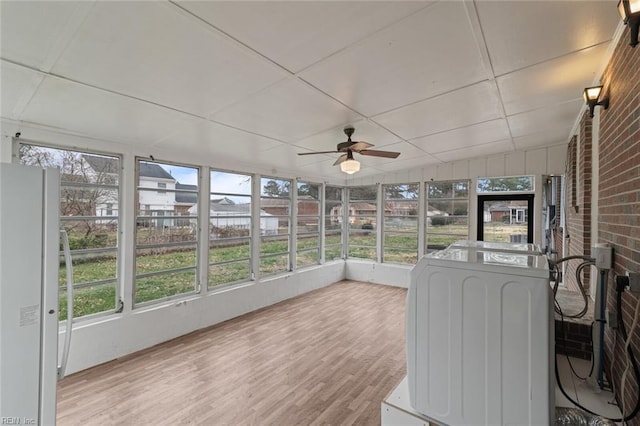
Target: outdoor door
505	218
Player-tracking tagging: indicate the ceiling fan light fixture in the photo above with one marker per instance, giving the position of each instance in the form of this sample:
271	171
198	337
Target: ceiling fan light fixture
350	166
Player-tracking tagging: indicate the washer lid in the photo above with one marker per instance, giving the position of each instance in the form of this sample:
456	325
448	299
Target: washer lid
496	246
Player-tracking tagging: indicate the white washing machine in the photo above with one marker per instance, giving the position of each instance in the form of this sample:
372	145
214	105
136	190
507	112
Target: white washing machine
480	338
497	246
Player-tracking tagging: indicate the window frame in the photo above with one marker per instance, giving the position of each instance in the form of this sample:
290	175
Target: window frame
287	236
317	233
428	220
366	219
415	216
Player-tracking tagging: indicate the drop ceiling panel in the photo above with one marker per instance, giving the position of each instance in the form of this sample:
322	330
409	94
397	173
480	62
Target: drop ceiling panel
288	111
551	82
554	117
364	131
464	137
156	52
405	63
406	150
18	85
408	163
523	33
81	109
476	151
33	32
546	137
470	105
218	140
298	34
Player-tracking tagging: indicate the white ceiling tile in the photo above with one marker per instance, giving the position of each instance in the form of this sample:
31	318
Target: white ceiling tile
34	32
81	109
546	137
551	82
289	111
470	105
156	52
18	85
297	34
523	33
479	150
365	130
405	63
400	164
546	118
464	137
218	140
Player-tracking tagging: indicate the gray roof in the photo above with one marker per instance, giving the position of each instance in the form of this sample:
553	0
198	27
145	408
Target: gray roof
186	197
102	164
110	165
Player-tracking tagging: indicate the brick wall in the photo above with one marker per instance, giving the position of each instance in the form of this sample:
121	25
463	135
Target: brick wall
578	220
619	198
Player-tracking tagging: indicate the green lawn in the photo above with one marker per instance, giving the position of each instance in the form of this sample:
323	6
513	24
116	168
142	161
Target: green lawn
231	262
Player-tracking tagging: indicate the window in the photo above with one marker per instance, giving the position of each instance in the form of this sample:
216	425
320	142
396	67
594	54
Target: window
89	198
166	243
308	224
400	231
162	185
229	228
505	184
275	216
333	222
362	221
447	213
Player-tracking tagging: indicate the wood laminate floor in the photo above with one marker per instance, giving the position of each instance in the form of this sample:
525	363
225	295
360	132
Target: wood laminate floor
327	357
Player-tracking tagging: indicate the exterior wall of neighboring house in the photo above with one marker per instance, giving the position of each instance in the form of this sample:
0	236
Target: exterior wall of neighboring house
232	217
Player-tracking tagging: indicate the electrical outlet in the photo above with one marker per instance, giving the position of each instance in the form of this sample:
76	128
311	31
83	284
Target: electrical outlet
634	281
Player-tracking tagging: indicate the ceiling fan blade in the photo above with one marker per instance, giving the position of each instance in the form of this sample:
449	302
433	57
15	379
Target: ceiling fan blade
360	145
340	159
377	153
317	152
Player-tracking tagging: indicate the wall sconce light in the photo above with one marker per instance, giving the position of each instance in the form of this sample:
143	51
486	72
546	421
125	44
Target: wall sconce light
630	12
350	166
591	96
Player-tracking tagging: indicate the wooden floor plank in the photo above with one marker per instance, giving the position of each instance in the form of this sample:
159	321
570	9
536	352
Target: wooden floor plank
326	357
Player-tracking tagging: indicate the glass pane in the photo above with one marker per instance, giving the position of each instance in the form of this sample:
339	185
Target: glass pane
333	208
90	267
230	183
159	230
506	221
333	238
165	258
363	193
274	264
308	224
505	184
392	255
363	252
275	206
306	242
307	258
401	240
441	241
458	225
270	225
274	245
401	192
362	238
272	187
229	272
332	252
89	300
333	193
406	224
165	285
90	233
308	191
224	250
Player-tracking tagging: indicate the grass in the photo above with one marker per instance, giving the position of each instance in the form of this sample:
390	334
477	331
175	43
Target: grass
230	260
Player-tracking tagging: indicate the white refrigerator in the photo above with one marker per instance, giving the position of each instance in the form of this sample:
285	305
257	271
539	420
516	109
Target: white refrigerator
29	263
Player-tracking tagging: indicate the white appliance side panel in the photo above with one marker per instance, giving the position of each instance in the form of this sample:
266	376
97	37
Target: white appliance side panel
433	344
474	348
21	207
51	262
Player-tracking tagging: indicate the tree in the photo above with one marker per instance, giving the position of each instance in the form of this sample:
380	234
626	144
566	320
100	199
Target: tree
505	184
363	193
84	179
275	188
309	190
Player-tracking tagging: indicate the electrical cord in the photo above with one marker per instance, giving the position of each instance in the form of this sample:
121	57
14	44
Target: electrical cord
628	350
619	290
587	261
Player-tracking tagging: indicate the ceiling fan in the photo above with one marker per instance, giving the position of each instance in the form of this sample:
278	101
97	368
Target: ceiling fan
347	163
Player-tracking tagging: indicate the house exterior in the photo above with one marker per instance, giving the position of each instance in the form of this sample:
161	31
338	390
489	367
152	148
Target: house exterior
225	216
